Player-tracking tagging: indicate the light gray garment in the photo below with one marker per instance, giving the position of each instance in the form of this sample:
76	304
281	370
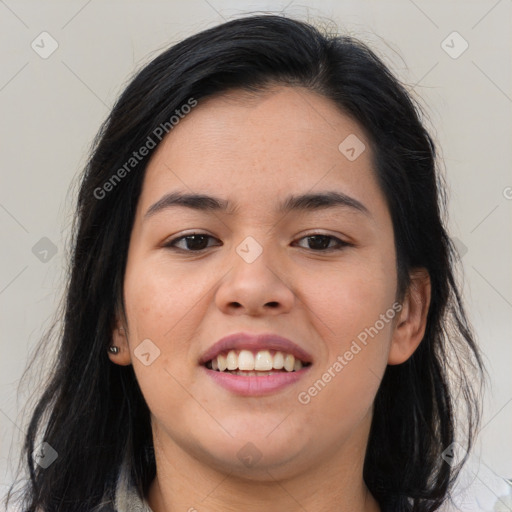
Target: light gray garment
127	499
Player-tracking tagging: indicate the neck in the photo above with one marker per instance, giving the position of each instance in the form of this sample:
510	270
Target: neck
184	483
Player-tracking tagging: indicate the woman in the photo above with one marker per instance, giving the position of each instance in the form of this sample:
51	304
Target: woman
261	312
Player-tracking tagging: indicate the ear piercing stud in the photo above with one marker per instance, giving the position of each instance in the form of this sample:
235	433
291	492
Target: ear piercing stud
113	349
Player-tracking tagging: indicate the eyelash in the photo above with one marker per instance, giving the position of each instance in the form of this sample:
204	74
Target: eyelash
341	244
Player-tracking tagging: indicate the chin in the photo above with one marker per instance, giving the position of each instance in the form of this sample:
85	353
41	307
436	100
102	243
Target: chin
254	465
253	456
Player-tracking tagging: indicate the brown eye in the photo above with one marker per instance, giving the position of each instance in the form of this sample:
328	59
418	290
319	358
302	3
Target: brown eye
322	243
192	243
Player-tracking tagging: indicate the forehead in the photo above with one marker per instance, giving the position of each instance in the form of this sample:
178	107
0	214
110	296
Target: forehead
255	146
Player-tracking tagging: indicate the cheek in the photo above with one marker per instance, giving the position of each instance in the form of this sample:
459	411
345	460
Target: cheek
158	298
342	388
356	313
162	307
350	298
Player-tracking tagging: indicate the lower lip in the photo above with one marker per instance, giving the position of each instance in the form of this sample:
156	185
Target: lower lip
254	385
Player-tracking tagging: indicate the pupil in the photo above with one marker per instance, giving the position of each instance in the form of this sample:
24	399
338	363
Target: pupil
196	240
320	245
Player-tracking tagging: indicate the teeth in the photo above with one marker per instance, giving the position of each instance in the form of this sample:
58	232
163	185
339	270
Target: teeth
289	362
278	361
263	361
253	374
232	360
245	360
260	363
221	361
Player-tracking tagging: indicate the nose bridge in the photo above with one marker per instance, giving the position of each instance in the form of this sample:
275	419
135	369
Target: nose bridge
249	249
256	262
254	281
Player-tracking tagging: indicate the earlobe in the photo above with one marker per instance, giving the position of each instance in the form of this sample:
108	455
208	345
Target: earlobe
119	350
411	325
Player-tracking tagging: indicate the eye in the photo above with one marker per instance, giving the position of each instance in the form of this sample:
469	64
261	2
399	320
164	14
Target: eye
193	242
196	242
320	243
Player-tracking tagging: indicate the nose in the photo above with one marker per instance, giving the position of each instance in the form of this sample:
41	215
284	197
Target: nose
255	287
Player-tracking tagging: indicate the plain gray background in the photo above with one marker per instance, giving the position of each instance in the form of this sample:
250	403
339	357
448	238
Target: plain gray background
52	107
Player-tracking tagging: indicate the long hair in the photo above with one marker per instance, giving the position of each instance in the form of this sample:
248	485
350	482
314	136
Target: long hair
92	412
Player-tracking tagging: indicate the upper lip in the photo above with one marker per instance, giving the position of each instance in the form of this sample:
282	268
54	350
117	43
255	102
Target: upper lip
266	341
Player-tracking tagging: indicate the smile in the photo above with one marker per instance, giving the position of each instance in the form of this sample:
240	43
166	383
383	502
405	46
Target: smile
255	363
255	373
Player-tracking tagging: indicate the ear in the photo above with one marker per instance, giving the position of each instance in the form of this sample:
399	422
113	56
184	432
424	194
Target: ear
120	340
412	322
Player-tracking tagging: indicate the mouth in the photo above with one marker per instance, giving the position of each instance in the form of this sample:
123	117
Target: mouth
250	363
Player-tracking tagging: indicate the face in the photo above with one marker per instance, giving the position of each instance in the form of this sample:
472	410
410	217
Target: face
321	274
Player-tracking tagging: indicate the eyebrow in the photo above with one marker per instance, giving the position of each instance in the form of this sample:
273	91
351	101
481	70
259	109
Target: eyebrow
303	202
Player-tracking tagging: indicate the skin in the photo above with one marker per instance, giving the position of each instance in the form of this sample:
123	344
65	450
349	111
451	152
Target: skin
255	150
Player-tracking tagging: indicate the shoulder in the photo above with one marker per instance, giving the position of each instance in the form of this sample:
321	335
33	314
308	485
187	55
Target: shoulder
479	489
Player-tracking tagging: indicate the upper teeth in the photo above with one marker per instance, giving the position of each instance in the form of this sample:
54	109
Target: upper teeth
262	360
